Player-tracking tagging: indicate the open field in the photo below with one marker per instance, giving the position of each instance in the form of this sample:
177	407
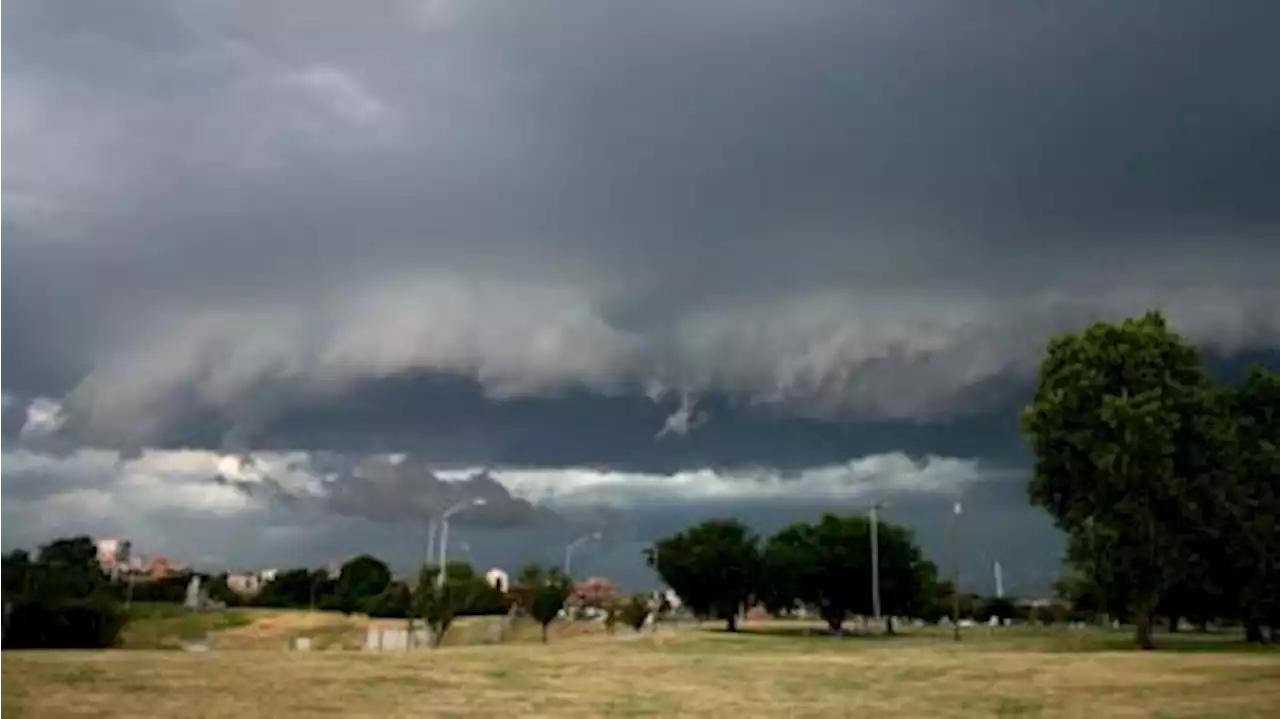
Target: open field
161	626
688	673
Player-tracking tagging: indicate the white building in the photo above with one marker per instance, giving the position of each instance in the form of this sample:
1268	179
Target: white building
498	579
248	584
113	554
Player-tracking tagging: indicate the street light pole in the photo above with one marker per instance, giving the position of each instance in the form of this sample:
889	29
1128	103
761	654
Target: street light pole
570	547
955	572
431	543
444	533
875	560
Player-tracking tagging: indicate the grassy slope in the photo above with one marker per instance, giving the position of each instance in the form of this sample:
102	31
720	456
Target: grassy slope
167	626
675	673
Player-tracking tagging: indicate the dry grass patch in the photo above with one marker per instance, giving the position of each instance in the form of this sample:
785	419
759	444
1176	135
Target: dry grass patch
687	674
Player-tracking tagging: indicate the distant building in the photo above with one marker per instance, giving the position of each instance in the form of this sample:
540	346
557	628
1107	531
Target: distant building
159	568
594	592
249	584
498	579
113	554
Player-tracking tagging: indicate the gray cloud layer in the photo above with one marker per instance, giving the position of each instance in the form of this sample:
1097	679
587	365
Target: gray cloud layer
383	489
839	209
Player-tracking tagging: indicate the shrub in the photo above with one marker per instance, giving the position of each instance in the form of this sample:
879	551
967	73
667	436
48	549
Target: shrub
393	603
635	611
92	623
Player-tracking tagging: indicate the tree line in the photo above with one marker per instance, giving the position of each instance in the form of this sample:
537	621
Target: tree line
721	566
1165	480
60	598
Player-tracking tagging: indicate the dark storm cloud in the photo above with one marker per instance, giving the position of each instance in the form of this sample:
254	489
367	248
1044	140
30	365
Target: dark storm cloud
403	489
838	209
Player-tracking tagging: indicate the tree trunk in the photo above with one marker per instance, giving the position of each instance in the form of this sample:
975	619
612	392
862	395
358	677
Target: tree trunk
1144	635
544	634
888	625
1253	632
732	623
1173	625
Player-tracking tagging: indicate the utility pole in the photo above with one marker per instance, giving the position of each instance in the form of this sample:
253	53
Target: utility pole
431	543
875	560
955	572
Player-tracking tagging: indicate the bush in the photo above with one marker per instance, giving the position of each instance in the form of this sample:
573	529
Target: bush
92	623
995	607
635	611
482	600
393	603
547	600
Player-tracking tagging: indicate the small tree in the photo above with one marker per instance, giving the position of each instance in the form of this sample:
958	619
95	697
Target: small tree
547	599
634	611
611	612
437	603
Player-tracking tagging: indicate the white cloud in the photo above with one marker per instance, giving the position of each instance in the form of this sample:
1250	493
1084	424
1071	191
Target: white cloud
44	418
98	489
340	93
848	482
685	419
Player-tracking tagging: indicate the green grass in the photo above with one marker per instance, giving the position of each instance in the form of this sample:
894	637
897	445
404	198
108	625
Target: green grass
1043	638
168	626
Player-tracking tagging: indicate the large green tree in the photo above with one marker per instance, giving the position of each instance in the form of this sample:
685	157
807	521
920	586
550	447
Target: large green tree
714	567
1253	529
361	579
68	568
1129	449
827	565
61	599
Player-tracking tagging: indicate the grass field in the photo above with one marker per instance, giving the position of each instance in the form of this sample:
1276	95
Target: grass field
769	670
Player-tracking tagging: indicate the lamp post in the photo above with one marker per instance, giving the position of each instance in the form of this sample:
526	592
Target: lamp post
444	532
955	571
431	542
875	560
569	549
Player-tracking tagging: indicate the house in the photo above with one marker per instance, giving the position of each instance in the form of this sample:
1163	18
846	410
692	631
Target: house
113	554
159	568
249	584
594	592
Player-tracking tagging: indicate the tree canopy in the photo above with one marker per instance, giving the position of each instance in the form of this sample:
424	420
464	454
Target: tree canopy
1162	478
714	566
361	579
547	598
827	565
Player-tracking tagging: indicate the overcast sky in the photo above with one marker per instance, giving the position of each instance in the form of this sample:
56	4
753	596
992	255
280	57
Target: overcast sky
605	263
